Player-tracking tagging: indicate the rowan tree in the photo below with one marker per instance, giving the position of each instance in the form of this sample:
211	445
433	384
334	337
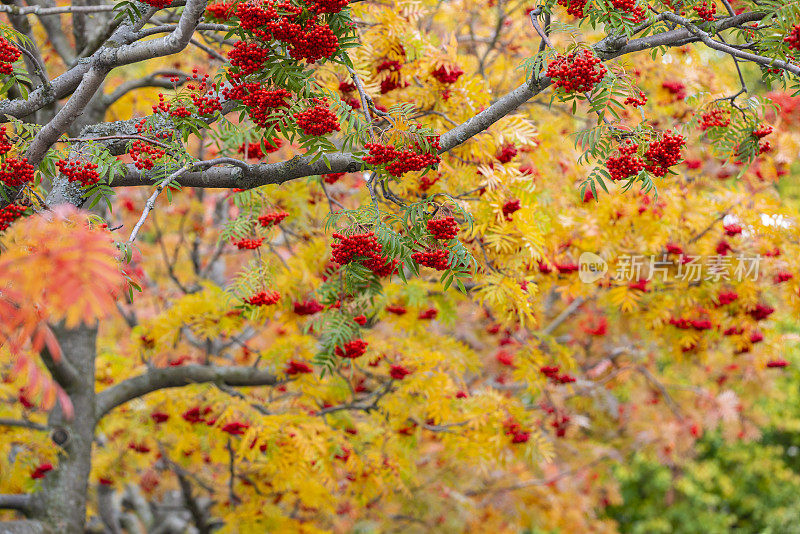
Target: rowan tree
313	265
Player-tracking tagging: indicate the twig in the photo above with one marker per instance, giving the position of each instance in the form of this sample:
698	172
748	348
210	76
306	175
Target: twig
151	202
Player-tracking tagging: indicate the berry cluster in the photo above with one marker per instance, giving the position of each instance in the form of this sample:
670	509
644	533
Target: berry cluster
402	161
16	172
327	6
248	57
205	99
574	7
9	214
399	372
5	142
514	429
351	247
235	428
551	372
158	4
295	368
732	229
661	155
396	309
776	364
444	228
426	182
434	258
261	103
333	177
717	118
41	470
308	40
391	81
706	10
636	101
676	88
630	7
783	276
253	150
761	312
507	153
264	298
196	414
626	164
762	131
427	315
308	307
77	171
318	120
793	39
510	207
726	297
249	244
8	55
221	10
447	75
144	154
577	73
352	349
272	219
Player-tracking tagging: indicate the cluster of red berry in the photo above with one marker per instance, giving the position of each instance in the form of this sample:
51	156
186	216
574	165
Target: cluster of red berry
253	150
41	470
726	297
235	428
626	164
8	55
427	315
308	307
511	207
221	10
158	4
358	246
264	298
706	10
576	73
551	372
761	312
783	276
309	40
296	368
249	244
399	372
507	153
675	88
5	142
514	429
352	349
717	118
636	101
427	181
78	171
396	309
401	161
16	172
793	39
143	154
317	120
447	75
685	324
630	7
392	79
661	155
261	103
196	414
326	6
574	7
434	258
272	219
777	364
248	57
732	229
333	177
444	228
9	214
205	97
762	131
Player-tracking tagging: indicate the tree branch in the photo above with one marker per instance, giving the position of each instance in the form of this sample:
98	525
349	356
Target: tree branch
19	502
174	377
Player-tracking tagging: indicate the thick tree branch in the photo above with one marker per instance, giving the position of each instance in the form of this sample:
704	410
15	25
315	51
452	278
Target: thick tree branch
175	377
19	502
